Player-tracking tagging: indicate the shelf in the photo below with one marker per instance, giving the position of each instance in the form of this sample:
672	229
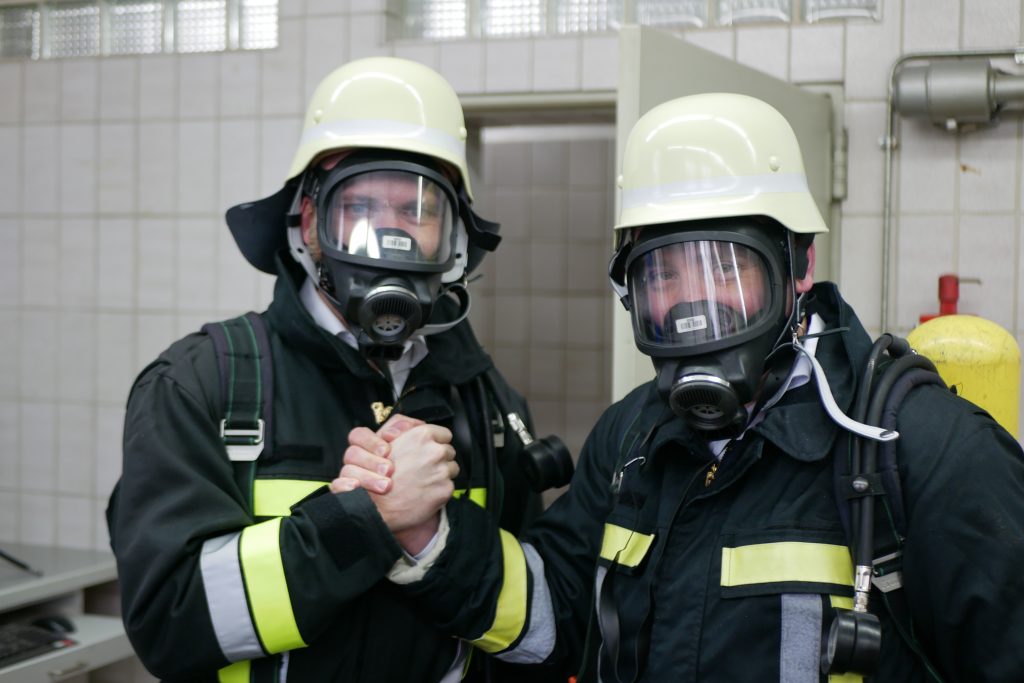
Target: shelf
100	641
65	570
68	574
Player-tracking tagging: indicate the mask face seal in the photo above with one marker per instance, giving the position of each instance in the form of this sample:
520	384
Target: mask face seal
387	231
709	306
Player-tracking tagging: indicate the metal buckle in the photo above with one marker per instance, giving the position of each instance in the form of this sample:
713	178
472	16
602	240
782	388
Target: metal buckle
243	452
887	574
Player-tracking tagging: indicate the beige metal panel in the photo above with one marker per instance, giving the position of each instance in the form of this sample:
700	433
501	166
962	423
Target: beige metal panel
654	67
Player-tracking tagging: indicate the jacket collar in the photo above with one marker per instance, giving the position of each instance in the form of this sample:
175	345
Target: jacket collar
798	425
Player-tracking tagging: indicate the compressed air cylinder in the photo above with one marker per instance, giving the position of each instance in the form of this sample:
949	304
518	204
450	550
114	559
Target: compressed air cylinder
979	359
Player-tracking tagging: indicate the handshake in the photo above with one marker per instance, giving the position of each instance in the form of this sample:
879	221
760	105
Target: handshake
407	468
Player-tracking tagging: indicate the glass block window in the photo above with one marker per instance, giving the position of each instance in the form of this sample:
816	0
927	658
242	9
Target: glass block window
136	27
19	32
575	16
74	29
513	17
436	18
258	24
200	25
669	13
818	10
740	11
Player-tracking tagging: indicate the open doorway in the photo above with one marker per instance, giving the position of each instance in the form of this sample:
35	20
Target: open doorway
542	305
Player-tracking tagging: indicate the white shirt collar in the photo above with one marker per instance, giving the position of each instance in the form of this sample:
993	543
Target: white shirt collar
414	350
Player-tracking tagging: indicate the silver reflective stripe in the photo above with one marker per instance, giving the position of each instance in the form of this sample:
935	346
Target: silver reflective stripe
539	641
225	597
373	128
598	585
282	675
724	186
454	674
800	651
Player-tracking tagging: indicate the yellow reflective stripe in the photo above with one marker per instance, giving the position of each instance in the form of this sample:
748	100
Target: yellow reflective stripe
787	561
845	678
265	583
631	546
510	614
477	495
841	601
234	673
275	497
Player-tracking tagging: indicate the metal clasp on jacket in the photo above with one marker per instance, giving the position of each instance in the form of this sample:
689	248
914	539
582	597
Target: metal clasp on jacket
243	445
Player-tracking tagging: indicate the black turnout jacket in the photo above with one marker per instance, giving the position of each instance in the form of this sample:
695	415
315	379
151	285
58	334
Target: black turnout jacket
703	571
294	587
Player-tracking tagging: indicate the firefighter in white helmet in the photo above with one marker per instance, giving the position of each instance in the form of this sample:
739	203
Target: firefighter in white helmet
236	561
715	527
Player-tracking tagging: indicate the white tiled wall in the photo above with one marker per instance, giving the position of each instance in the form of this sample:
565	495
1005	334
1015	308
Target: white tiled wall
114	175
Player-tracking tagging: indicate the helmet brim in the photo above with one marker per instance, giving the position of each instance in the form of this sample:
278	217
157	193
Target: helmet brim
260	227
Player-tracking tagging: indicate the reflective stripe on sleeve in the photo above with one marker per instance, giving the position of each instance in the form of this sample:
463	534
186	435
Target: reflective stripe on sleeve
510	613
624	546
263	571
275	497
539	639
477	495
787	561
235	673
225	598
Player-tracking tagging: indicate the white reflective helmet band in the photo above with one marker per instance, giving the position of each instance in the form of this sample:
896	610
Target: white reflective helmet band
347	129
723	186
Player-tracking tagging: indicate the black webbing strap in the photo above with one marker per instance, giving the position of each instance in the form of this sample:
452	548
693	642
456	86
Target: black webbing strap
247	390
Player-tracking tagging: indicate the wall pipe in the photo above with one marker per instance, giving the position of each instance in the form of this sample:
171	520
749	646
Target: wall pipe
1008	88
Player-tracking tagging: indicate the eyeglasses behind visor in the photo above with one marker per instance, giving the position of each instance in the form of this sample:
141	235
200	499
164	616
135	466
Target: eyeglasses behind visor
693	293
401	218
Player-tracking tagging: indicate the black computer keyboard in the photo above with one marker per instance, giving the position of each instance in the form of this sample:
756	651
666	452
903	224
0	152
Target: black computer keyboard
23	641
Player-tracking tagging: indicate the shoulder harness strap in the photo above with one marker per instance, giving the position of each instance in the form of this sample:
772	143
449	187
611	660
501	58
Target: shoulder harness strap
247	390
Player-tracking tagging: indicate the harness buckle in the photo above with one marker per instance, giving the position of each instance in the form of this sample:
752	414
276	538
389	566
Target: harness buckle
243	444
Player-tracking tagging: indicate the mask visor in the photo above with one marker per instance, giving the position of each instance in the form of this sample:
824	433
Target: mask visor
687	295
400	219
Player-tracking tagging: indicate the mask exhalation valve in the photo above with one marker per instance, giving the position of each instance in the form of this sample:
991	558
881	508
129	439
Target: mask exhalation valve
706	402
388	311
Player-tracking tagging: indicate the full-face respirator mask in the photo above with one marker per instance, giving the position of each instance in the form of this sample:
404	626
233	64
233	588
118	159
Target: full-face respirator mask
390	246
710	306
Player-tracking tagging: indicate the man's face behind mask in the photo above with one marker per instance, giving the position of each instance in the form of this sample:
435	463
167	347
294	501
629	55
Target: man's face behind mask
692	293
390	216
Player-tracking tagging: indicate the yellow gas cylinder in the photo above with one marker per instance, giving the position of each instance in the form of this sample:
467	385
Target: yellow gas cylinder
978	358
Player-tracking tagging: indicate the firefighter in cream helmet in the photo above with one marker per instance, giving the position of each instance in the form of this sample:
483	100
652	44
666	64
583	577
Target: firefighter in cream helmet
717	547
236	560
712	249
378	197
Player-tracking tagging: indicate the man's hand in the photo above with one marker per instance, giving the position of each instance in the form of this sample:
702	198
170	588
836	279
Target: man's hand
379	444
421	464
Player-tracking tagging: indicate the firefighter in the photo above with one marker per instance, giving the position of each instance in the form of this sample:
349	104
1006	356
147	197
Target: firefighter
704	535
236	563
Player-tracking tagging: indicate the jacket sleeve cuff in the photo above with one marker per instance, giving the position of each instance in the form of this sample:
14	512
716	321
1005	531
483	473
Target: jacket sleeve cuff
351	529
409	569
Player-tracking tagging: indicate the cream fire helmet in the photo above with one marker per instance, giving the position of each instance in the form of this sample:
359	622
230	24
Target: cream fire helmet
384	103
714	155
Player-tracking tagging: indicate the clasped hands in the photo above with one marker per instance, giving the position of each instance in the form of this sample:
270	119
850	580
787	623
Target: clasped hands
407	468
